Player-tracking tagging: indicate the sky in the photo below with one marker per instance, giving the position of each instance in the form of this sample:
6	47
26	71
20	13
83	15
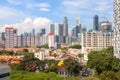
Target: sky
28	14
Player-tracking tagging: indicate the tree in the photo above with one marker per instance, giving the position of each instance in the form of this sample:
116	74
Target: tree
45	46
73	67
80	55
51	65
29	63
25	50
4	52
109	75
103	60
75	46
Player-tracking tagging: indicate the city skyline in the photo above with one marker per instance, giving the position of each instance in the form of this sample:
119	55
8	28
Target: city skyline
31	14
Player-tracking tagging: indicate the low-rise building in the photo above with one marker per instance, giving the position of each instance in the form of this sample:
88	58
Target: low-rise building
42	54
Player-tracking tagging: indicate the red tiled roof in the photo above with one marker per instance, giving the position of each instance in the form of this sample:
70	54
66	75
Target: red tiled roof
51	34
9	28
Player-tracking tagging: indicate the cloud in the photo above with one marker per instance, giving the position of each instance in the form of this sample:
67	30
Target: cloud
103	6
27	21
75	3
41	6
44	9
75	7
6	12
28	24
15	2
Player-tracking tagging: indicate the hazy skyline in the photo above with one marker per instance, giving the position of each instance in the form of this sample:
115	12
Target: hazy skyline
29	14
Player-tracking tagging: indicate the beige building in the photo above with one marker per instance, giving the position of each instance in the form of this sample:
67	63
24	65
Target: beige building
93	41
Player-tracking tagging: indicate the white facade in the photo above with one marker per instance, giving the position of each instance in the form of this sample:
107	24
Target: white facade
42	54
94	41
117	28
51	40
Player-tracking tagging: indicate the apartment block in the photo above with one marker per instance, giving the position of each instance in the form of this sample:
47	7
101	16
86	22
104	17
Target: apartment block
93	41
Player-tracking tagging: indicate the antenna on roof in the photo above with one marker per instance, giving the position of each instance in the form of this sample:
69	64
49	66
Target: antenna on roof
105	18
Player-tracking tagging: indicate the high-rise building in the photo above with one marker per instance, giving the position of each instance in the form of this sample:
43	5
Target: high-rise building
117	28
59	29
96	23
52	28
1	41
65	26
84	30
106	26
33	32
76	30
10	33
42	31
77	21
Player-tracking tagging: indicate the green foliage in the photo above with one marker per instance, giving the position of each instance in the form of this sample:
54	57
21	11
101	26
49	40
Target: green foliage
25	50
109	75
3	61
4	52
75	46
73	67
24	75
29	63
80	55
104	63
90	78
52	66
45	46
34	76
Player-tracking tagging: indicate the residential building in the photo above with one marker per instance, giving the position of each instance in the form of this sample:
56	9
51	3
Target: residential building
1	42
42	54
10	33
93	41
117	28
51	40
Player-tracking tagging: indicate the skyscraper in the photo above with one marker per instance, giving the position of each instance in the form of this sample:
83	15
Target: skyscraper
42	31
33	32
52	28
77	28
117	28
59	29
65	26
77	21
96	23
